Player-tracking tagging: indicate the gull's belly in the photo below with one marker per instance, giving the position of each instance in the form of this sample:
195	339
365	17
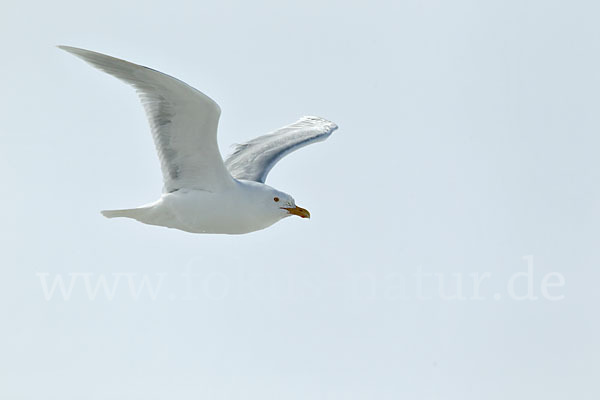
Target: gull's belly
205	212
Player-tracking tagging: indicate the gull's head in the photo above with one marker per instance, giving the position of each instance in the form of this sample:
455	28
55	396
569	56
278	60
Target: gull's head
284	204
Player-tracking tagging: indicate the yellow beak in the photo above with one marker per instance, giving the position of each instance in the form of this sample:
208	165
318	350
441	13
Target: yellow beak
299	211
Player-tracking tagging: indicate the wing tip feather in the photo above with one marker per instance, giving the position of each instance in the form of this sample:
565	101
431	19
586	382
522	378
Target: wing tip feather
74	50
314	120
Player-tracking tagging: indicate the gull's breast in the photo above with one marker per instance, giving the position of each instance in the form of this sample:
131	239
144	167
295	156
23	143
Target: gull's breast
198	211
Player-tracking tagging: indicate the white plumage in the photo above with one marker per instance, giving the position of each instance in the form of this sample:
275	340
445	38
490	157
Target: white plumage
203	194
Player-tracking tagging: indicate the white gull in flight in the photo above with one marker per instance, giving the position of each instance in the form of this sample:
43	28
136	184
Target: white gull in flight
203	194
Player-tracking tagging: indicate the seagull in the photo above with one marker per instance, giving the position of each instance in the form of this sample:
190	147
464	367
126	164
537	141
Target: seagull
201	193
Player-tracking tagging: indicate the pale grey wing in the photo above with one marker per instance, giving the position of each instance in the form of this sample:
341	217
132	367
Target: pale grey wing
253	160
183	122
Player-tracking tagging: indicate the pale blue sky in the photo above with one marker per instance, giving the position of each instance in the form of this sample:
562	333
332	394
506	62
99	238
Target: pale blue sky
469	134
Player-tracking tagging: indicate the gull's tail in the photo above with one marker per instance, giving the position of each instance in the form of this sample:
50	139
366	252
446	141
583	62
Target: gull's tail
152	214
134	213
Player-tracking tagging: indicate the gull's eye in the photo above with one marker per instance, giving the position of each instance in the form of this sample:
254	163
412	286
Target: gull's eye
275	199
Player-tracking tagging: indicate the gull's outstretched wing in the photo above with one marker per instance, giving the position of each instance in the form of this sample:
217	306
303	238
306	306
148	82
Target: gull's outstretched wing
183	122
253	160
